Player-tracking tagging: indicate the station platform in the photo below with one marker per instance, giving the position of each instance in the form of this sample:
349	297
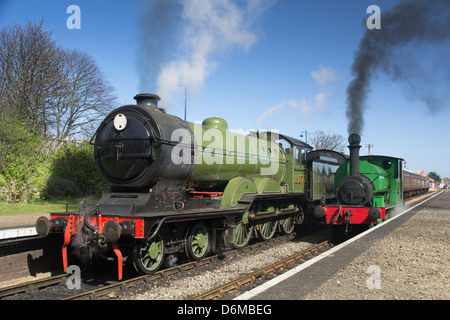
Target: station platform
404	258
21	225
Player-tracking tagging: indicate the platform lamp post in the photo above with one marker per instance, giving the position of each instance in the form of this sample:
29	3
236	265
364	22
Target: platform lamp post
185	101
306	135
181	84
368	146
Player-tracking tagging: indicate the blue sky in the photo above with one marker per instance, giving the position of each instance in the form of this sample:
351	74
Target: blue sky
281	65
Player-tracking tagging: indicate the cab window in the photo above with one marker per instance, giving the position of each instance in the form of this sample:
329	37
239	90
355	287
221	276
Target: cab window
284	146
300	157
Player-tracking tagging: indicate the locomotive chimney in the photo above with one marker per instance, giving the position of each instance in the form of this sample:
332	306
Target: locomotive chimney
147	100
354	139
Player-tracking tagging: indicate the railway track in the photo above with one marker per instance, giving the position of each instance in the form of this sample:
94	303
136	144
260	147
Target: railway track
165	274
232	287
32	286
64	293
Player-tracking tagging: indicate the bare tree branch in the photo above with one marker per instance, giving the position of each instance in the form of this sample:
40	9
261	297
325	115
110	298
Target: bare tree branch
83	96
331	141
29	65
55	91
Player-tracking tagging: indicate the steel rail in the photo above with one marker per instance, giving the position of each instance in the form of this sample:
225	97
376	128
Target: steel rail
219	292
33	285
165	273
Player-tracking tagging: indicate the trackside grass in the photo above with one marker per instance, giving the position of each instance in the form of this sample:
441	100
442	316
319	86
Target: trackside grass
42	206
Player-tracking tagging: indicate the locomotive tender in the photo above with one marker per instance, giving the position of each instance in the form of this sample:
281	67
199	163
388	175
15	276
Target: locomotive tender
182	187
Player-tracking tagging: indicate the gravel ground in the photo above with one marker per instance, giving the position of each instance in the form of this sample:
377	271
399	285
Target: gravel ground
20	220
411	263
227	271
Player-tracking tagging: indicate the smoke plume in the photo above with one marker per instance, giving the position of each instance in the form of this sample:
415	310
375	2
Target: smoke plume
408	25
182	40
157	27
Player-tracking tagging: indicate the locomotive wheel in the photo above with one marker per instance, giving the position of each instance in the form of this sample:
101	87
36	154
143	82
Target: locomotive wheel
267	228
287	224
242	232
149	256
197	242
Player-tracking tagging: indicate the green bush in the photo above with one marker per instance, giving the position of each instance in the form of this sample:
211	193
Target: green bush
28	170
59	187
74	172
23	165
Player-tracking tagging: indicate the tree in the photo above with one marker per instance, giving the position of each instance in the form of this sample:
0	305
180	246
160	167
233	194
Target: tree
82	97
56	91
322	140
44	90
29	66
433	175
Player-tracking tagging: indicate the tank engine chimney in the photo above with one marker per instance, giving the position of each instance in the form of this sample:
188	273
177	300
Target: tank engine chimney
354	139
147	100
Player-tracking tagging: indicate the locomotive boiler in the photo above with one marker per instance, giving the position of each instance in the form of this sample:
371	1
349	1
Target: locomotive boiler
141	147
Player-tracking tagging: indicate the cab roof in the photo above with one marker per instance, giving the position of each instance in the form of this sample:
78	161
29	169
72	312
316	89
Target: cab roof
296	142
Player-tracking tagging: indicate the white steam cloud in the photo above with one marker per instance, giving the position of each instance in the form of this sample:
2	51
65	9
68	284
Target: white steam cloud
205	30
307	109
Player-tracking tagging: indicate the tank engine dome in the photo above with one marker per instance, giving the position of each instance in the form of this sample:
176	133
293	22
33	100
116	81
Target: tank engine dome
134	141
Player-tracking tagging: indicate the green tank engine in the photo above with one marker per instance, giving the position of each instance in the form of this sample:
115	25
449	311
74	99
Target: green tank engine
365	187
